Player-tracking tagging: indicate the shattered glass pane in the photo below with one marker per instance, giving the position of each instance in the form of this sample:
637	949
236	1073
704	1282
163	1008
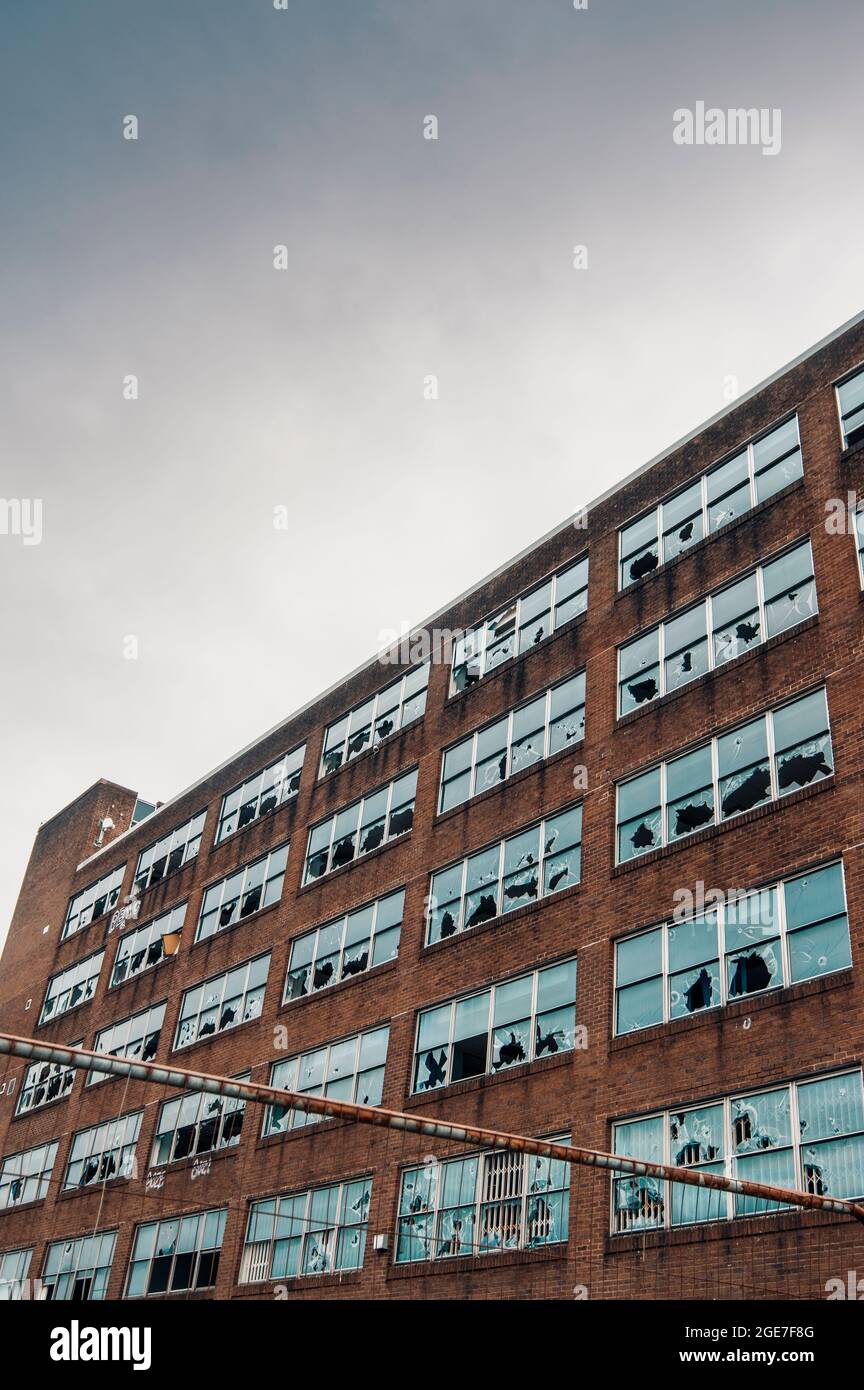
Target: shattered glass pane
481	887
491	757
639	817
562	850
803	743
567	713
528	735
819	949
729	493
639	671
521	868
639	549
790	590
690	793
745	777
535	617
777	459
445	902
682	521
571	592
736	623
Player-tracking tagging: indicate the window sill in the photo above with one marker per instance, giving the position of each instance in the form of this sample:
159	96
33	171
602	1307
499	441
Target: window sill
65	1014
738	1008
361	859
525	1070
39	1109
263	1289
173	878
113	1184
701	1232
241	922
22	1206
707	540
483	684
497	923
708	677
482	797
386	967
202	1042
142	974
712	831
469	1264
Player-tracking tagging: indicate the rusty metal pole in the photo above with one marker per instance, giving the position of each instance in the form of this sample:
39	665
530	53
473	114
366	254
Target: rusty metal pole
259	1094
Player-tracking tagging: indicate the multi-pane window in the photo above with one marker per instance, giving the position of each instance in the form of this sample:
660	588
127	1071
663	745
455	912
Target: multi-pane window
482	1203
727	491
103	1152
745	944
136	1037
170	853
551	721
808	1135
531	864
361	827
518	1021
271	787
176	1255
78	1270
521	625
322	1231
148	945
770	599
14	1268
24	1177
197	1123
72	987
392	709
769	757
358	941
93	902
351	1069
850	399
44	1082
238	895
223	1001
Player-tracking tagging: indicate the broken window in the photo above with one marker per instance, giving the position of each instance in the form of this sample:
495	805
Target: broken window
772	598
789	931
24	1176
14	1268
351	1069
533	731
264	792
145	947
93	902
44	1082
79	1269
850	402
176	1255
72	987
103	1152
482	1203
820	1151
711	502
358	829
222	1002
534	863
366	726
197	1123
366	937
735	771
517	1021
521	625
170	853
322	1231
247	890
134	1037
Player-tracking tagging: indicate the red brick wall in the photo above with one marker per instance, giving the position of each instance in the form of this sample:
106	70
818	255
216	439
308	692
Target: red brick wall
791	1033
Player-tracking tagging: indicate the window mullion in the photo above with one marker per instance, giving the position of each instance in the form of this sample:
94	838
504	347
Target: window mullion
769	741
664	966
661	655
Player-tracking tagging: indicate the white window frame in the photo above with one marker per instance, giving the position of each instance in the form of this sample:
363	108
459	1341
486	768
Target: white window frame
378	707
375	904
13	1285
287	770
542	895
702	479
785	981
108	885
115	1138
775	794
10	1173
729	1160
360	803
185	839
230	1106
220	980
90	982
78	1245
757	570
148	1014
255	1260
166	924
198	1250
491	989
300	1119
32	1082
238	896
473	739
476	639
838	385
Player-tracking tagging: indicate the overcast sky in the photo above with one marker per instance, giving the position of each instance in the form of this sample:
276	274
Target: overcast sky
407	257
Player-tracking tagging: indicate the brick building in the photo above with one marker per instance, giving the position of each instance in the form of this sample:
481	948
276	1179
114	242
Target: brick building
591	867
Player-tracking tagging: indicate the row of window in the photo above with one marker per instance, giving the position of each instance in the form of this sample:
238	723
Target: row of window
806	1134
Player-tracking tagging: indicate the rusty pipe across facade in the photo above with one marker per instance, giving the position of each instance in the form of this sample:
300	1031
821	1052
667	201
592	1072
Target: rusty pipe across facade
260	1094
